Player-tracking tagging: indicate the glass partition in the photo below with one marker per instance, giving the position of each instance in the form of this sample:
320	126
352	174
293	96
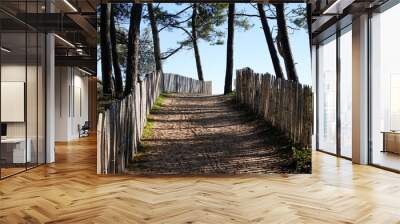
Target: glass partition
14	151
327	95
346	92
32	98
22	101
385	89
41	97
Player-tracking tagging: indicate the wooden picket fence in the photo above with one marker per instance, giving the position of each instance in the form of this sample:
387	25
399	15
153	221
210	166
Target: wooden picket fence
121	125
286	105
182	84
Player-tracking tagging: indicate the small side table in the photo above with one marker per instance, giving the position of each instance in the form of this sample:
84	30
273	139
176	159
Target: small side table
391	141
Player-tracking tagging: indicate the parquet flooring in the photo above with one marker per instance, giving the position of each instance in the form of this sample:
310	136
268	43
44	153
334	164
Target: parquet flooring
69	191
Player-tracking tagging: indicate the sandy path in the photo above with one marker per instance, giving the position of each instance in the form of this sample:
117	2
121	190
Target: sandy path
209	135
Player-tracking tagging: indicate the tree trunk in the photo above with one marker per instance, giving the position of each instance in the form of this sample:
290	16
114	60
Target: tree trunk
105	49
194	40
270	42
229	49
156	39
285	44
117	69
133	48
309	22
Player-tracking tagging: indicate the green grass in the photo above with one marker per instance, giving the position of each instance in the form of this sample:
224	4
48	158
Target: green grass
233	93
159	102
148	128
148	131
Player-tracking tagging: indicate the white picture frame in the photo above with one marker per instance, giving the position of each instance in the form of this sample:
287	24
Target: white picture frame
12	101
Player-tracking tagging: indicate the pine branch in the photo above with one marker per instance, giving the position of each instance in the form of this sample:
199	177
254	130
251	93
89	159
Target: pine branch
184	30
174	23
171	52
253	15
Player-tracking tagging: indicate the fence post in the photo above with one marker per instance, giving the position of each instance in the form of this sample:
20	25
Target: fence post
120	127
282	103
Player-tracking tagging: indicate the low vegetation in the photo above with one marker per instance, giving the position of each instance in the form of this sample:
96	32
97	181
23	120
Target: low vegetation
148	128
301	160
148	131
232	94
159	102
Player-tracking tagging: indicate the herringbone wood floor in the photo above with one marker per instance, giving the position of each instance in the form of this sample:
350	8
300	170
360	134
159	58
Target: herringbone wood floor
69	191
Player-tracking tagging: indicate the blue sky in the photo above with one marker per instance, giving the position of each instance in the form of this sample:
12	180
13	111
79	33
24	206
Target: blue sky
250	50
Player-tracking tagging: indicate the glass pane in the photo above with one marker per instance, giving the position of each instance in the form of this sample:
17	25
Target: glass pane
385	89
13	86
32	86
17	9
327	96
41	99
32	98
346	94
80	104
23	79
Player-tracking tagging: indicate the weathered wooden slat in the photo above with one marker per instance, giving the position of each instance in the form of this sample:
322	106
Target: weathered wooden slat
179	84
284	104
120	127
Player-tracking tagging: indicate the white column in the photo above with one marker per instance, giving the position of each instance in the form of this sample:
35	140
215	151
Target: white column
50	94
360	89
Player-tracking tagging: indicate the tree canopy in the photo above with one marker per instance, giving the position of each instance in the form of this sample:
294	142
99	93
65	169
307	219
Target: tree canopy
206	22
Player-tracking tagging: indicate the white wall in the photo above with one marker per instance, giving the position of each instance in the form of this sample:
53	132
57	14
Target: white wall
80	112
62	81
71	102
17	73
